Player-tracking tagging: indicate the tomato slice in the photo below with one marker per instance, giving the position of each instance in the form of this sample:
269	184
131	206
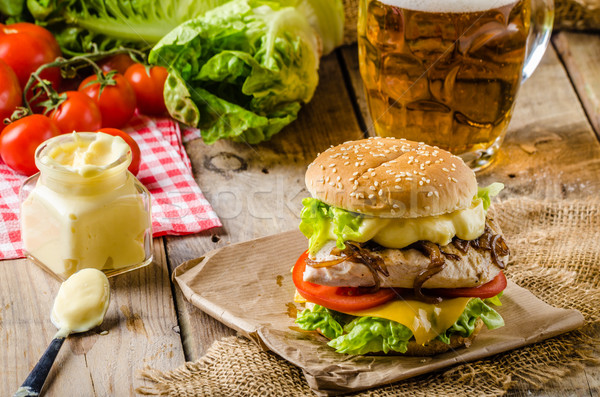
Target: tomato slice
337	298
486	290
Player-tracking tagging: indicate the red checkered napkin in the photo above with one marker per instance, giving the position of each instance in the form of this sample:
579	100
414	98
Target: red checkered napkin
178	205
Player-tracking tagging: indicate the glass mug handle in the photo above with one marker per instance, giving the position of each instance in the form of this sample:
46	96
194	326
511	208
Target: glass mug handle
542	18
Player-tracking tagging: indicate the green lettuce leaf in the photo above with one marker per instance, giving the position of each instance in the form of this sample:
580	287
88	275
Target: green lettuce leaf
362	335
485	193
248	65
319	221
371	334
322	319
82	26
476	308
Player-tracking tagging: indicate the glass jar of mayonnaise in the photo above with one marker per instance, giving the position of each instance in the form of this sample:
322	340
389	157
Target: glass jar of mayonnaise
84	209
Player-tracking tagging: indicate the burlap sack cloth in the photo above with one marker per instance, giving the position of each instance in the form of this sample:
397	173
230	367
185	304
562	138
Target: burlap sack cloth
555	254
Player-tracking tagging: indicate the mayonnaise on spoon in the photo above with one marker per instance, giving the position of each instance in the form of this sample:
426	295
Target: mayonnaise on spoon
81	302
80	305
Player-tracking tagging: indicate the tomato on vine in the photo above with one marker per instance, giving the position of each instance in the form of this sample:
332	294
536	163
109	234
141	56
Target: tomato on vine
148	84
118	62
10	92
24	48
114	96
20	139
76	111
134	167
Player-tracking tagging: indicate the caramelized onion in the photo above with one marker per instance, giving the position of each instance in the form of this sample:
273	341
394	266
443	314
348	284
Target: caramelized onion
436	264
374	263
333	262
488	241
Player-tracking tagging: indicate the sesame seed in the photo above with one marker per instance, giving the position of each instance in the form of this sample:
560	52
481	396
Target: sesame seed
429	194
420	183
331	165
322	167
339	186
376	183
355	173
356	164
397	187
347	163
354	187
371	196
373	173
326	179
409	179
380	192
365	176
331	184
334	170
372	188
445	169
396	206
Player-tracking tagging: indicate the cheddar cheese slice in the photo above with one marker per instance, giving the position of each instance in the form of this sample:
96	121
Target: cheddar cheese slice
425	320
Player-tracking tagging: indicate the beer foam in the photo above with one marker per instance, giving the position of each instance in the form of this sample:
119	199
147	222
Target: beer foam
448	5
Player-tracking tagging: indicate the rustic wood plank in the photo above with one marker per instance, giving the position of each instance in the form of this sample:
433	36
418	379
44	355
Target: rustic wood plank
580	53
257	190
140	321
550	152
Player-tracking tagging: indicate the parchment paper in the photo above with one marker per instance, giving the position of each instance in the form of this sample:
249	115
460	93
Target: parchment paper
248	287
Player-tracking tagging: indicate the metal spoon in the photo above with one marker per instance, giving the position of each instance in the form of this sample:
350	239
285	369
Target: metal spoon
76	315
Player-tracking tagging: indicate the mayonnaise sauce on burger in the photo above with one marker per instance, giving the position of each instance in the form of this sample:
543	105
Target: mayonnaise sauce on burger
466	224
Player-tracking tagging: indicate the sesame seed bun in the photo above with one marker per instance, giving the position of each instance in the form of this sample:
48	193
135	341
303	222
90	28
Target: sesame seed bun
391	178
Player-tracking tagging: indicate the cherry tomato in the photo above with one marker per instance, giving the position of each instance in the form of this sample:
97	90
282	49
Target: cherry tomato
77	113
119	62
25	51
148	85
487	290
116	102
36	30
337	298
10	92
20	139
134	167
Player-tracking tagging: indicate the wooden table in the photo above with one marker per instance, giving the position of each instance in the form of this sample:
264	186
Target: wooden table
551	151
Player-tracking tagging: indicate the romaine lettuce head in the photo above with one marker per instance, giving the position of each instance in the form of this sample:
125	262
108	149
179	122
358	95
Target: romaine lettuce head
240	71
361	335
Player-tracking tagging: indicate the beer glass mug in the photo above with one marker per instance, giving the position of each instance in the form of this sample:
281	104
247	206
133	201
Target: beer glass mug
447	72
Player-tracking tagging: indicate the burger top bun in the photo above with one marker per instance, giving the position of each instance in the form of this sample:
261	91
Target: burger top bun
391	178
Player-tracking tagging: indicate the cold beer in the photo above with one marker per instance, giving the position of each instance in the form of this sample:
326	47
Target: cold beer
444	72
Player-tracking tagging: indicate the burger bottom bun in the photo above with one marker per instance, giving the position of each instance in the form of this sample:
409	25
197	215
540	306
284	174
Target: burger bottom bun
435	346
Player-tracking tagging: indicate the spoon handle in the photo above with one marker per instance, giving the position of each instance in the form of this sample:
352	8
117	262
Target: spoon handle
35	381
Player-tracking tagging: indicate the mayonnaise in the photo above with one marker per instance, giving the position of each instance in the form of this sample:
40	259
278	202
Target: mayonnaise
466	224
81	302
85	210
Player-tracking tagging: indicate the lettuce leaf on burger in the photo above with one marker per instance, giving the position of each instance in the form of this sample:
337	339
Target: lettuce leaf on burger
402	254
